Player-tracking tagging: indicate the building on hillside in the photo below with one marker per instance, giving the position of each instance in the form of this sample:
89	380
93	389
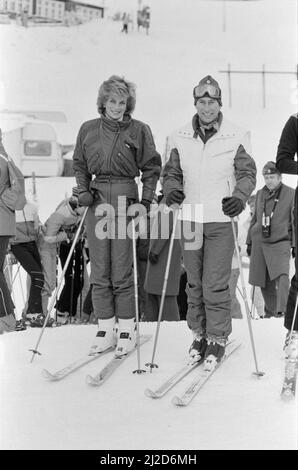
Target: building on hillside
55	10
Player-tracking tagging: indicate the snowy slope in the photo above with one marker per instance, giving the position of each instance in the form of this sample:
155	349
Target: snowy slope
61	69
233	411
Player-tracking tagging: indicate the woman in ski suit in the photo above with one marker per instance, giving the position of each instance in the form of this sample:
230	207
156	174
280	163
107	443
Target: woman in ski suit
114	149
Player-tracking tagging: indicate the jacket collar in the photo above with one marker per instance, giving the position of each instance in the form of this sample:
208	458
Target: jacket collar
116	126
226	130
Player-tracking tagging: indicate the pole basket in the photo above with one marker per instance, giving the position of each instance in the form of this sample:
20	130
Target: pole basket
258	374
139	371
151	365
35	351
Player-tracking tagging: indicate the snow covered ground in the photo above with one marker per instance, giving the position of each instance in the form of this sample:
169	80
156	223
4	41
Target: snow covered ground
61	69
233	411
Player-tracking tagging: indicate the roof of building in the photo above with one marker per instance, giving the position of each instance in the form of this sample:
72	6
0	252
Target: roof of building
99	4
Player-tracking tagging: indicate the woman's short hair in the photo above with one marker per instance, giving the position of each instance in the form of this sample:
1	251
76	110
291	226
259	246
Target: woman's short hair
120	87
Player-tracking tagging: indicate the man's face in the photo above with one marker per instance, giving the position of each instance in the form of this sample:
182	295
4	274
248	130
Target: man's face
272	181
207	109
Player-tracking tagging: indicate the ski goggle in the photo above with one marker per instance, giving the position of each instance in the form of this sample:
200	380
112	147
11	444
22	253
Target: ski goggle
200	90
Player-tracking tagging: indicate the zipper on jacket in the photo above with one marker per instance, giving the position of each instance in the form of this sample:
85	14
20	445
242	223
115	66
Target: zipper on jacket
110	159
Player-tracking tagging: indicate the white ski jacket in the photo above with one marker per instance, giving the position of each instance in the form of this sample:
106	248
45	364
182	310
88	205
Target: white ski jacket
207	173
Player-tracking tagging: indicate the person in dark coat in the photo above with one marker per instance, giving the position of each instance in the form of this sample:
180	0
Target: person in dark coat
156	267
286	163
270	239
7	230
114	149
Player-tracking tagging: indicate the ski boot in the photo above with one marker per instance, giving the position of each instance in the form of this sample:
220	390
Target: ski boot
197	348
214	352
38	322
106	336
30	318
20	325
291	346
126	336
62	317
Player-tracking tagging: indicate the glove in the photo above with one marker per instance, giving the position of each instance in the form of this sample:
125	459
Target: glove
153	257
232	206
293	252
85	199
248	250
175	197
146	204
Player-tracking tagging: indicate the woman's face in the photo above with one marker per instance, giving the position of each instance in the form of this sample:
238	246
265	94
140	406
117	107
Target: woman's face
115	107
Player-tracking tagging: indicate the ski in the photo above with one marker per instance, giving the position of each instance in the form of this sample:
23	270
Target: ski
172	381
60	374
192	389
289	384
112	365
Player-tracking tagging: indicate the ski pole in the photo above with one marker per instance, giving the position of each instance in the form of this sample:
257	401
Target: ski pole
56	279
72	284
165	282
11	281
82	269
35	350
135	275
252	310
257	373
21	284
294	316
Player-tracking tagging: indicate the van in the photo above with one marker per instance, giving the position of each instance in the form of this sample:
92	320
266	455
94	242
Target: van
32	143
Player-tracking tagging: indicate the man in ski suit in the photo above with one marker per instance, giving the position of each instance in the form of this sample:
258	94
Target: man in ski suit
270	239
286	163
210	166
114	149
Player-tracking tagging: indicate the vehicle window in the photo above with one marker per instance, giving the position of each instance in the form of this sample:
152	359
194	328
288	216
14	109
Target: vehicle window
38	148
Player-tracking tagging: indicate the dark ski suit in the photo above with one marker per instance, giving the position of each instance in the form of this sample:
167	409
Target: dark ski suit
114	152
286	163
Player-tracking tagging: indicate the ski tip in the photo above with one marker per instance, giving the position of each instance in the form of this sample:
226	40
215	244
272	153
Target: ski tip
177	401
89	379
48	375
93	381
45	373
149	393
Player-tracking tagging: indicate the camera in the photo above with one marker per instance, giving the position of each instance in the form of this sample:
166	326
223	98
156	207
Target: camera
266	228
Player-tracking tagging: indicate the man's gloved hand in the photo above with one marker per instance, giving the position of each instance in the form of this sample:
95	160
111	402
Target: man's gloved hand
146	204
232	206
85	199
293	252
175	197
153	257
248	250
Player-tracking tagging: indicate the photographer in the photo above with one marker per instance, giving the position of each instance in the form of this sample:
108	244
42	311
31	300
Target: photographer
270	239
